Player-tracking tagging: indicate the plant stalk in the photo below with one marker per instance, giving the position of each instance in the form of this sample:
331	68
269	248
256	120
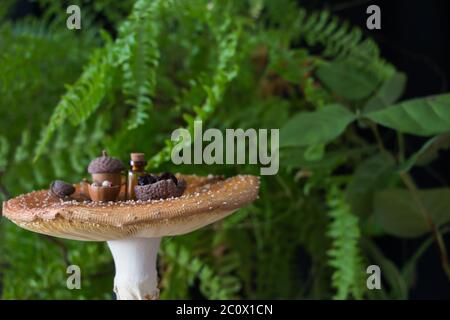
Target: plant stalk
437	236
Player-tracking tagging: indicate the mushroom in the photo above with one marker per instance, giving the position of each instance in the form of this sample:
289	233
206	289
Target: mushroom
133	229
106	168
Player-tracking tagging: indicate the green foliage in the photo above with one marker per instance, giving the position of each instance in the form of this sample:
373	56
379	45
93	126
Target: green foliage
139	74
399	213
311	128
389	92
185	269
140	69
346	80
345	256
341	41
370	175
424	116
428	152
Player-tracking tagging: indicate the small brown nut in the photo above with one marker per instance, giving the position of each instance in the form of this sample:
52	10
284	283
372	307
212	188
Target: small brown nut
62	189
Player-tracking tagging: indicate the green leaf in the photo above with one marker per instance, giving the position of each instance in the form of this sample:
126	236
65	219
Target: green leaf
371	174
4	150
428	152
314	152
344	254
424	116
318	127
347	80
296	158
398	214
389	92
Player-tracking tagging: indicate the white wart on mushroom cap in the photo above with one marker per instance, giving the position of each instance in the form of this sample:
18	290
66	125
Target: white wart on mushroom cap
206	200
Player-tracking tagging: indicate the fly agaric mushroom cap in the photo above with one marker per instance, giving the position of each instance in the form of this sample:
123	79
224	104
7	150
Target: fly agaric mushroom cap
206	200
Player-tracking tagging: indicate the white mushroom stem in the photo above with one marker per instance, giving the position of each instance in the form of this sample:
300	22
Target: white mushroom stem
136	273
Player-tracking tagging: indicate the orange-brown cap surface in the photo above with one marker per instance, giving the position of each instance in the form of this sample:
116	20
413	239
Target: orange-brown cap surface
206	200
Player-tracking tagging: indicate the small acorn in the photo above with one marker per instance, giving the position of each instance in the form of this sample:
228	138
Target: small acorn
106	168
62	189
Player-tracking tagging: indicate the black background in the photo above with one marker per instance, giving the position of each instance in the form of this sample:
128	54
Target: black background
415	37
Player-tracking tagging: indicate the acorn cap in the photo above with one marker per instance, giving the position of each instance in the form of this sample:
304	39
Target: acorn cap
105	164
205	200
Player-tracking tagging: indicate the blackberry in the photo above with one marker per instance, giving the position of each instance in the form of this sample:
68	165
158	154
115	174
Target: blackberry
146	179
167	176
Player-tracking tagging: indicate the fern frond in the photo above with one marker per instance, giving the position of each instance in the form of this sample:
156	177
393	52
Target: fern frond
344	254
339	40
139	70
22	151
81	99
191	268
226	70
135	50
4	151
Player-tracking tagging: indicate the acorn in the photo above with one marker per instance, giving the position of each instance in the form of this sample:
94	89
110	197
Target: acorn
103	193
106	168
62	189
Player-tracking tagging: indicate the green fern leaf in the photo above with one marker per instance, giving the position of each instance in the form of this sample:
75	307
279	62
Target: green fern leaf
344	254
139	70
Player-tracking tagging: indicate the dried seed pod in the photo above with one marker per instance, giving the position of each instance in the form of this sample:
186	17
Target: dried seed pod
181	186
61	189
162	189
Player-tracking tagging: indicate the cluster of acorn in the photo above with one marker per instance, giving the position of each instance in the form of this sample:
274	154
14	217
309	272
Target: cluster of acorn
108	180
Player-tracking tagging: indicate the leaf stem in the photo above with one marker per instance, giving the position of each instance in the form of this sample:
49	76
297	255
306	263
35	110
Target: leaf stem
401	147
437	236
377	136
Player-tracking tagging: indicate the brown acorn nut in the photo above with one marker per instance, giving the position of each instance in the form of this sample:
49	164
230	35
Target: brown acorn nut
106	168
62	189
103	194
162	189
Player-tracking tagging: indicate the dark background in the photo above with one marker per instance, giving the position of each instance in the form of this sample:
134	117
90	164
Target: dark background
414	36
